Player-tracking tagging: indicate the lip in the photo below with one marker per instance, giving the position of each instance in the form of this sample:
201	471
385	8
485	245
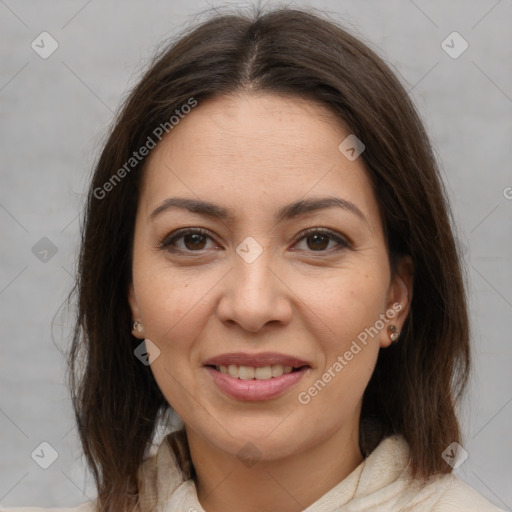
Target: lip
253	389
256	360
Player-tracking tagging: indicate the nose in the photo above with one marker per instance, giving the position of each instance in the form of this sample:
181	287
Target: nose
255	294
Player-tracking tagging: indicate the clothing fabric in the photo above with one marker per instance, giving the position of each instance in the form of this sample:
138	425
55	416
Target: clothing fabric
380	484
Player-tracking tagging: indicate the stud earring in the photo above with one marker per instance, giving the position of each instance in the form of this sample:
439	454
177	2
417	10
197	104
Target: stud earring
394	333
137	326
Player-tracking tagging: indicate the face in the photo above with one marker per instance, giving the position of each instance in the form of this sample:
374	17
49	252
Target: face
287	267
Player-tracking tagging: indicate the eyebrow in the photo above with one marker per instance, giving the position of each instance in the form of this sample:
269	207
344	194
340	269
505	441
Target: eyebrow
287	212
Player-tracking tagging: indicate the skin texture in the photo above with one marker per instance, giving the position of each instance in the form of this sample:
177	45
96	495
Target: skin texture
252	154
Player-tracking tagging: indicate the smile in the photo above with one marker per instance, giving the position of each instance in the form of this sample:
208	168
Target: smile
255	383
258	373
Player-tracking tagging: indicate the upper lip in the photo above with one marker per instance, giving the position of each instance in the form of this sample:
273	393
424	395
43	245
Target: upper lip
256	360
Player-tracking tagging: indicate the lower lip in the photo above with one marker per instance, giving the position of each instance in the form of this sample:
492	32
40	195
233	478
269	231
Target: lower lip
254	389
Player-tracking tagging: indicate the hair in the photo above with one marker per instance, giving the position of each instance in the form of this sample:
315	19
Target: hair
417	382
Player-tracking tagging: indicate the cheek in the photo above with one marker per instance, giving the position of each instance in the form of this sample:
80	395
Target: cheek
348	306
346	301
168	297
174	305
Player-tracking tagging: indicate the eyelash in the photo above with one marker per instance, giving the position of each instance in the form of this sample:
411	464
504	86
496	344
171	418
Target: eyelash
168	242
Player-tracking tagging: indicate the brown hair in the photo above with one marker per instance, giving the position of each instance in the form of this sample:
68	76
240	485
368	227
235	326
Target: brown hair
417	382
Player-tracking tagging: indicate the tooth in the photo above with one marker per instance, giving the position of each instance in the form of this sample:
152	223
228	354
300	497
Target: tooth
277	370
233	371
263	373
246	372
250	372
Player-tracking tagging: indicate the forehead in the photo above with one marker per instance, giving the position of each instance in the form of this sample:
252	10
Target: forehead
259	148
257	128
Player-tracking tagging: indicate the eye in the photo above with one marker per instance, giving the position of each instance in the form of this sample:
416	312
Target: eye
186	240
195	240
318	240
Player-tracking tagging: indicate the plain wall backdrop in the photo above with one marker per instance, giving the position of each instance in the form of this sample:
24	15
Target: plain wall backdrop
55	112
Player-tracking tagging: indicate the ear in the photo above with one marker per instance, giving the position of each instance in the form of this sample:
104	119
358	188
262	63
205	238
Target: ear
132	300
399	298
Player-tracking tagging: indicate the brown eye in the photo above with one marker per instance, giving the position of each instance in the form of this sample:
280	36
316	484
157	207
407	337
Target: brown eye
186	241
194	241
318	240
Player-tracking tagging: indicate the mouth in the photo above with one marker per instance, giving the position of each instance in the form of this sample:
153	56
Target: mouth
268	372
252	377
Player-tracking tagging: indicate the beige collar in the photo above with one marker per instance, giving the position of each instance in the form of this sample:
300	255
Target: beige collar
165	483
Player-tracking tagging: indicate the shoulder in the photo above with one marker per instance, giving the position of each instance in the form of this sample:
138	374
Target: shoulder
454	495
84	507
457	495
387	481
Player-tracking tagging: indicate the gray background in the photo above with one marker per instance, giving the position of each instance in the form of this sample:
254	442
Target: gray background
55	112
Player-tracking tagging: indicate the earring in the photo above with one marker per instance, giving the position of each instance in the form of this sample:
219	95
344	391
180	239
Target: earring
137	326
394	333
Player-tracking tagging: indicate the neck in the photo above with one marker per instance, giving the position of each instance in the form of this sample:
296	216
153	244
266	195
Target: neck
288	484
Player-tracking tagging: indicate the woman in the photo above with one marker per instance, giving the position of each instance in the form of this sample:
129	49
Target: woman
267	250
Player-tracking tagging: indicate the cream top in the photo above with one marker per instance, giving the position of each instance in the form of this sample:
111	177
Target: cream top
380	484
